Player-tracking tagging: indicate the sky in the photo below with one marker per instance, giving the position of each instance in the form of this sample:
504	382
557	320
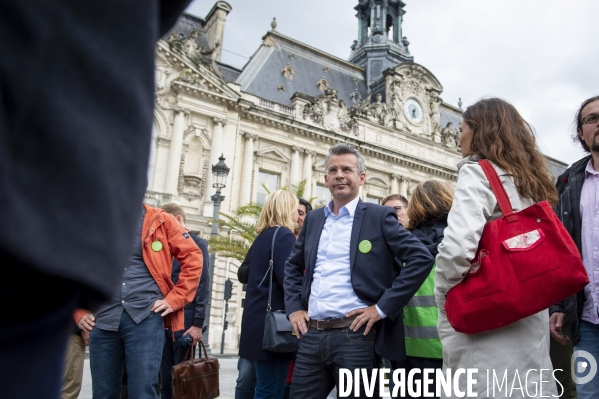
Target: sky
537	54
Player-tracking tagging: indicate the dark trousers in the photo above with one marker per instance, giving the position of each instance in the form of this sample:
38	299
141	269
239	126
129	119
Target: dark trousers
561	357
320	356
33	339
140	345
173	353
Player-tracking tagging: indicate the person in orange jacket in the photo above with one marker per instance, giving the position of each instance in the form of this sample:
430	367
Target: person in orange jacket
129	329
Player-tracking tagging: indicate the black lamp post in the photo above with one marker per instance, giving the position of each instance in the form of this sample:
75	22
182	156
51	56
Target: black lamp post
220	171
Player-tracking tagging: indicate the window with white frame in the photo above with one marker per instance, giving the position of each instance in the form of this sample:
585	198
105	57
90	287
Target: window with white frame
322	196
373	200
267	183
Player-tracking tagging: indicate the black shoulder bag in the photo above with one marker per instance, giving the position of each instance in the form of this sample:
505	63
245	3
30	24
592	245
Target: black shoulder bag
278	331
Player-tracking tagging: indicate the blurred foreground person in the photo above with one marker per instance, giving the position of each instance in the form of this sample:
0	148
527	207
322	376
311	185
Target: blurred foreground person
493	130
76	103
578	209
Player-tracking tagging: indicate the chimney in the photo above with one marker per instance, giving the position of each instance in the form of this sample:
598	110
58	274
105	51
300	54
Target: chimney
215	27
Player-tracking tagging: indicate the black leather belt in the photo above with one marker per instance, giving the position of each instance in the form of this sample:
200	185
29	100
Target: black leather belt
328	324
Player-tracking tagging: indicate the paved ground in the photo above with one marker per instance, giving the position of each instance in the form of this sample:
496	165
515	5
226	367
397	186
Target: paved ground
228	375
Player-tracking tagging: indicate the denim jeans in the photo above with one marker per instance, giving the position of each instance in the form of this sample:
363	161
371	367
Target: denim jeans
246	379
173	353
589	342
320	356
140	345
270	378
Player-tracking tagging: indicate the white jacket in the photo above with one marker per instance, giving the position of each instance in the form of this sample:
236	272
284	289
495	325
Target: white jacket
510	351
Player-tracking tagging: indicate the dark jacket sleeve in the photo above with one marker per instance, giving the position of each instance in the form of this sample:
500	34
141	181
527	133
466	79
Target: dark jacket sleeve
243	273
203	292
294	271
284	243
417	261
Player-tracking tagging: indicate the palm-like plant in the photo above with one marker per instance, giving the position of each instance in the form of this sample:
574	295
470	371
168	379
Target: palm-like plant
244	224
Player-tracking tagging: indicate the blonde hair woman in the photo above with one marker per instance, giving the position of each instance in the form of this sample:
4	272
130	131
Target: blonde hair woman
279	215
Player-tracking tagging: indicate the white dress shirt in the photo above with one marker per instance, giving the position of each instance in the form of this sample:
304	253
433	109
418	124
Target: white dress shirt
332	293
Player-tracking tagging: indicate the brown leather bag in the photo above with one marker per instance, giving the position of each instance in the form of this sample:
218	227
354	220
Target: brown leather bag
196	378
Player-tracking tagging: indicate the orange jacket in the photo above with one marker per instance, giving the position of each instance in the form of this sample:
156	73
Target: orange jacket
159	226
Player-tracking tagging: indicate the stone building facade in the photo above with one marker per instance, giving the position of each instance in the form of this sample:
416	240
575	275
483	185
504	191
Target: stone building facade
275	119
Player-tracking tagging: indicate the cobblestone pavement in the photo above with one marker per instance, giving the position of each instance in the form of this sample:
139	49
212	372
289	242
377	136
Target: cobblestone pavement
228	375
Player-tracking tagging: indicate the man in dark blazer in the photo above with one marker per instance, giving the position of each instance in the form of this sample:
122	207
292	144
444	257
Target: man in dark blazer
76	109
344	306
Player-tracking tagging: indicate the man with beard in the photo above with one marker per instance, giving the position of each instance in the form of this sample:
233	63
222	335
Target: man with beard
578	209
340	292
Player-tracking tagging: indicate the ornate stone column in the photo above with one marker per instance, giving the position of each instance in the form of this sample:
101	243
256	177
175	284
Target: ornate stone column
247	169
294	173
174	154
215	152
403	186
308	172
394	183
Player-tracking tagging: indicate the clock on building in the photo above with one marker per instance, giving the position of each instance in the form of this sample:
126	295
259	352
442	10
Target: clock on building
413	111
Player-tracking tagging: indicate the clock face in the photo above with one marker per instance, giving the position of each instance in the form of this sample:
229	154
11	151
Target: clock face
413	111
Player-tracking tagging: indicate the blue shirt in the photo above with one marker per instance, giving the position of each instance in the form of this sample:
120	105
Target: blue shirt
332	294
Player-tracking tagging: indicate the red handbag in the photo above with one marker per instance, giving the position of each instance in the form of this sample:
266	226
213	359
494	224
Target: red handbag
526	261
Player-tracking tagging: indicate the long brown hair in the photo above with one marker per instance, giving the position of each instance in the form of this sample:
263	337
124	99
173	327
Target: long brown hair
430	201
502	136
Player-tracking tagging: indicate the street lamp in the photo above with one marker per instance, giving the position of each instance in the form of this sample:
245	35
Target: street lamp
220	171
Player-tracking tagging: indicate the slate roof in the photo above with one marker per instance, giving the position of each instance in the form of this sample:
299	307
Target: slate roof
229	73
262	76
186	24
450	115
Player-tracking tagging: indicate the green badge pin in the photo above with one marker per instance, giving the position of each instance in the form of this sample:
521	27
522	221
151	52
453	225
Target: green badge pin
365	246
156	246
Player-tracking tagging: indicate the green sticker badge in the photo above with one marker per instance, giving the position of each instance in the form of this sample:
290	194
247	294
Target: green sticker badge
365	246
156	246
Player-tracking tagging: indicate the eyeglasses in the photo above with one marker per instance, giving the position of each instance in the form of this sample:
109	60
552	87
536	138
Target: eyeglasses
590	119
346	170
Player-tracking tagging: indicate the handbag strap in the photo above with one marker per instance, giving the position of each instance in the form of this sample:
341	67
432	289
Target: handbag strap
498	190
271	267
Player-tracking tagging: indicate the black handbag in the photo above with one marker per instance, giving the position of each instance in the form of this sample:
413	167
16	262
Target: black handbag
278	331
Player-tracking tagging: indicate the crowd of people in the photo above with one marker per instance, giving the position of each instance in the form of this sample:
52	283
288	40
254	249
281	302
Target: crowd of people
362	284
365	285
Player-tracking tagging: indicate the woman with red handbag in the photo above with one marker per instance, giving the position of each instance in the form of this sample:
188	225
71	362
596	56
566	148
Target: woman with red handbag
513	360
